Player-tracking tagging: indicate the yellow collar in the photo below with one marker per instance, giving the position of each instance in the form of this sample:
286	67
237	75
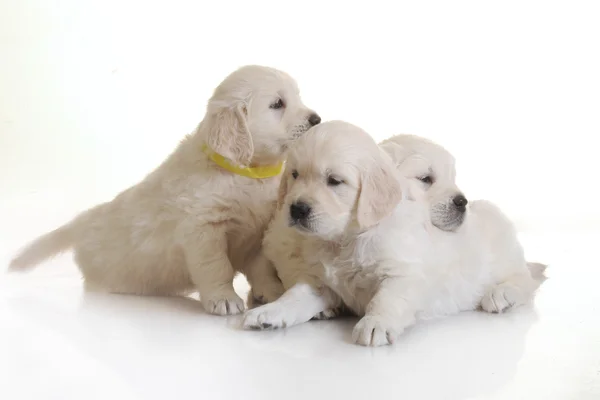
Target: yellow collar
267	171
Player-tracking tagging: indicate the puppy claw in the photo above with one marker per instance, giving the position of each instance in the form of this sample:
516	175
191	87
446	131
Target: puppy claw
224	306
327	314
498	299
373	331
264	317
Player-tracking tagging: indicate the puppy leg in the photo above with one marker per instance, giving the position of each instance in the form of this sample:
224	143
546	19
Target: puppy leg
212	273
266	286
331	313
388	313
299	304
296	269
515	291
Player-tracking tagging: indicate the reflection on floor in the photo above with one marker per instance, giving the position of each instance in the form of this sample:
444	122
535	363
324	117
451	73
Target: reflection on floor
58	342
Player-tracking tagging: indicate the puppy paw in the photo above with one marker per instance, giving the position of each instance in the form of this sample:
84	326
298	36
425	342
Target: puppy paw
328	314
269	316
499	298
224	305
374	331
266	293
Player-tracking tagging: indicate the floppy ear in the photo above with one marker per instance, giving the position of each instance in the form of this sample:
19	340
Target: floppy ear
229	136
380	193
283	188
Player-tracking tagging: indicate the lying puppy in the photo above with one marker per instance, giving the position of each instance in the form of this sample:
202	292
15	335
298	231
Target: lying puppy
434	169
197	219
373	244
427	163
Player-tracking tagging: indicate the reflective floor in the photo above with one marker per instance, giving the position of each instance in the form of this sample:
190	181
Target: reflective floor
95	94
56	342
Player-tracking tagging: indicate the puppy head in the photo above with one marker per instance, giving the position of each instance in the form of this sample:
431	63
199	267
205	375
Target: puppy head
433	167
337	180
254	115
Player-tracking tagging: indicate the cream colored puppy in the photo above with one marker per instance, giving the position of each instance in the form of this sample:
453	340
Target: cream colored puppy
428	164
433	168
373	244
199	218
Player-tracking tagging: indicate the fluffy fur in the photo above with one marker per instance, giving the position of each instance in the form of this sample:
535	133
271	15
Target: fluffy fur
191	225
390	262
428	164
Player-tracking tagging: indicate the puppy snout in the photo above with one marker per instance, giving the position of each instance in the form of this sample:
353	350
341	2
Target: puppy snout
299	210
460	202
314	119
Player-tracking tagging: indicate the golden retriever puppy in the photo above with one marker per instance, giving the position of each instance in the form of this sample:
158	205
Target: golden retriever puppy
427	163
373	244
199	218
433	168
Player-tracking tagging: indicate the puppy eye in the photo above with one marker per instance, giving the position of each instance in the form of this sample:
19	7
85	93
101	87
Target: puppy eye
331	181
277	105
427	179
294	174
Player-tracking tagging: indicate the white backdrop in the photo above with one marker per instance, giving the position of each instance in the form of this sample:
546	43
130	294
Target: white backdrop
94	94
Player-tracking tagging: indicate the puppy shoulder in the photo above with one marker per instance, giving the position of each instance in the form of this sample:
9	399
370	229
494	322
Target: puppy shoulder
488	220
488	211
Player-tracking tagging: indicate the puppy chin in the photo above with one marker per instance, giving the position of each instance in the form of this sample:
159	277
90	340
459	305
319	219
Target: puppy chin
301	226
450	223
313	229
299	130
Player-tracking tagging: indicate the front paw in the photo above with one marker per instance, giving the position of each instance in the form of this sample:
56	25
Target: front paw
230	304
498	299
374	331
269	316
329	313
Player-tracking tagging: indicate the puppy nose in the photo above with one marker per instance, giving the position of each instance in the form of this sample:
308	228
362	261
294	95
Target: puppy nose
314	119
299	210
460	201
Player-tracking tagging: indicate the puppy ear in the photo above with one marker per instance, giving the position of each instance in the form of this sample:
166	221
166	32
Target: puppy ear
229	136
380	194
283	188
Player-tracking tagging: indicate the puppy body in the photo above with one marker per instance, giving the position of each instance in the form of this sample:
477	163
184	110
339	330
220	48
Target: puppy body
400	267
190	225
448	272
415	158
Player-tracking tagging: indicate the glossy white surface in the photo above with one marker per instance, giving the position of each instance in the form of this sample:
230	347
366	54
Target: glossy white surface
57	342
94	94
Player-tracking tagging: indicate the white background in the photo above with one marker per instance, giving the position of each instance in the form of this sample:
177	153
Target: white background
102	91
95	94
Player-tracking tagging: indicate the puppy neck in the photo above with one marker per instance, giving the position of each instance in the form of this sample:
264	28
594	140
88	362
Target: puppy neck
255	172
258	168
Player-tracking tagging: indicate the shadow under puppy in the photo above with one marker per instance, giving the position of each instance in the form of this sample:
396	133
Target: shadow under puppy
373	247
198	218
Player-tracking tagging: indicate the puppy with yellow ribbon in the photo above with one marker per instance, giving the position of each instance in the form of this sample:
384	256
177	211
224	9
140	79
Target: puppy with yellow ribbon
199	218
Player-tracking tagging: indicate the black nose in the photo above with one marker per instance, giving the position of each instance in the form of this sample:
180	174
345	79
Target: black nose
299	210
314	119
460	201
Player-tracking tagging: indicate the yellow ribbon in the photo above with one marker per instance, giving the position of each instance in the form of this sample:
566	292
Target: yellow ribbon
267	171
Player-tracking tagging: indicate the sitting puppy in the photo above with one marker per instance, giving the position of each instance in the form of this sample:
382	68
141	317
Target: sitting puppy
373	244
199	218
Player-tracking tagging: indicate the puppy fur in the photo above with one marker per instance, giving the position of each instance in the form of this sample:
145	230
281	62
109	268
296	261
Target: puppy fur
373	245
191	225
428	164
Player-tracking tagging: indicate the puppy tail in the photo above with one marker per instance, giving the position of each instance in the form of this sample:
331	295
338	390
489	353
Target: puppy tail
537	271
46	246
